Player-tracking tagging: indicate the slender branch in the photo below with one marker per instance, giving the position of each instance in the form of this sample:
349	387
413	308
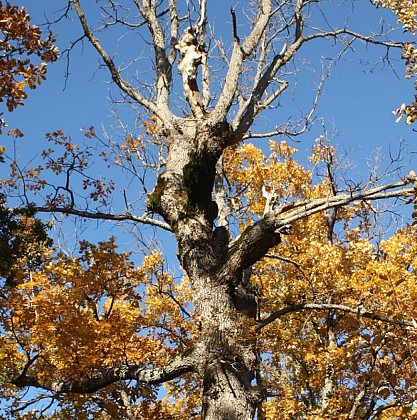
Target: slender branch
174	32
252	40
205	69
246	115
299	23
116	76
356	35
163	69
32	401
239	54
104	216
367	381
331	306
302	210
254	105
289	261
203	16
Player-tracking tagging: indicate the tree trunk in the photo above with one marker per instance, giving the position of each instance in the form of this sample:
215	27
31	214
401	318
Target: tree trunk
229	366
224	305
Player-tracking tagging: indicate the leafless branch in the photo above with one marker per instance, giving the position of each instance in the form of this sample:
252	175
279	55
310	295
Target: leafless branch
161	112
239	54
254	105
301	210
163	71
360	312
104	216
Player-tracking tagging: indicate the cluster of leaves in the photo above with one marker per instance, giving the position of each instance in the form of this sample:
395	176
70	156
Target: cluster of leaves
406	12
73	317
23	241
20	42
331	258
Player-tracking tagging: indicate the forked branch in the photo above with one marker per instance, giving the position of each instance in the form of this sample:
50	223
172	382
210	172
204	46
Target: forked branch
239	54
256	240
116	76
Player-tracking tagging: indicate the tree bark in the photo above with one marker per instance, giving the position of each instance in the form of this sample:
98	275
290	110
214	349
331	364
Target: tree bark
224	305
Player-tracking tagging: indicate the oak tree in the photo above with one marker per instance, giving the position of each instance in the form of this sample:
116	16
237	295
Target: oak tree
291	302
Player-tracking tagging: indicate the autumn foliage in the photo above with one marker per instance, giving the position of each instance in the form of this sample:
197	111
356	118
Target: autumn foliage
406	12
332	259
21	43
70	317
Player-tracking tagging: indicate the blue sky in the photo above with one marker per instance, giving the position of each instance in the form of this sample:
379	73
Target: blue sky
356	105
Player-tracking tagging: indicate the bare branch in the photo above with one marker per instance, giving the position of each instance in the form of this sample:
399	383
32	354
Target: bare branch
205	69
254	105
239	54
104	216
174	31
302	210
246	115
289	261
252	40
344	31
288	129
360	312
163	64
116	76
203	16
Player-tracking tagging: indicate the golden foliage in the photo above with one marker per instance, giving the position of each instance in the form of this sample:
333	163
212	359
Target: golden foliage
330	258
72	316
79	315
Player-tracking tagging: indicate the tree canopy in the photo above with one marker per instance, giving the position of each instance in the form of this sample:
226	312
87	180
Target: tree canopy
293	291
